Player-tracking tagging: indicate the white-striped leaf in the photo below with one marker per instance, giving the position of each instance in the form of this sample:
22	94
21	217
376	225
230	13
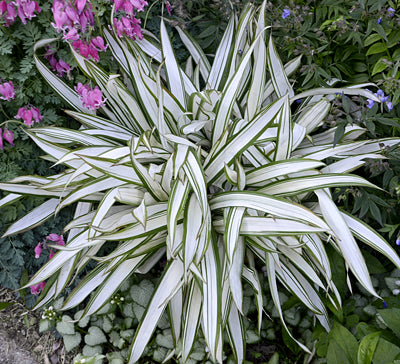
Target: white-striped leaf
34	218
168	284
345	240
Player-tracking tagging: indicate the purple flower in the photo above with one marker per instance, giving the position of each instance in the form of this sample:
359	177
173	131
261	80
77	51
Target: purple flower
370	103
286	13
382	98
379	20
385	305
38	250
391	11
7	90
398	240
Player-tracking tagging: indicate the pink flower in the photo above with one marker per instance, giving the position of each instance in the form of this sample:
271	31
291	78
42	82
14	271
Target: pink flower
130	6
7	90
98	42
26	9
80	4
1	139
168	7
60	17
28	113
7	10
71	35
119	4
38	250
63	67
80	88
82	47
56	238
9	137
129	27
76	15
37	288
91	98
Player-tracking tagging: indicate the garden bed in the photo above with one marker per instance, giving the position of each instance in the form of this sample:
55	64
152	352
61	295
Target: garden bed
23	344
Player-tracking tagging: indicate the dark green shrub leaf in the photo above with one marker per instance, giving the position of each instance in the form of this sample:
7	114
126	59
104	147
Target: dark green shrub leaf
392	319
377	48
336	354
381	31
380	66
375	212
372	39
344	344
385	352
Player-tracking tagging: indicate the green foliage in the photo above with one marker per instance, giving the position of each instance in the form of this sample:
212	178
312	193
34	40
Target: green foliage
336	51
204	181
364	332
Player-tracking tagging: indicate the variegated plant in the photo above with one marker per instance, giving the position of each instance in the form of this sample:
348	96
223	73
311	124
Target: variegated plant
207	168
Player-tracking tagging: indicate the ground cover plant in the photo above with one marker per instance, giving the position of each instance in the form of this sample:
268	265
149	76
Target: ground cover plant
211	170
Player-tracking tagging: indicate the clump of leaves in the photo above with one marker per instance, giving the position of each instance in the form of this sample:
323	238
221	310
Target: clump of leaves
206	183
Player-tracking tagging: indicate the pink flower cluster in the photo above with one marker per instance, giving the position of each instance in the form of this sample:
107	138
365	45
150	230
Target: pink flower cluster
59	66
24	9
73	17
90	49
91	98
8	136
7	91
128	24
37	288
27	113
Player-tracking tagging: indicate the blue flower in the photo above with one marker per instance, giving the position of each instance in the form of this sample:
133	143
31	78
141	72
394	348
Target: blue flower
379	20
370	103
385	305
382	98
391	11
398	241
286	13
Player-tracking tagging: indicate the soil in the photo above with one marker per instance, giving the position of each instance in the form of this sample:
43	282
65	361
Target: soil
20	340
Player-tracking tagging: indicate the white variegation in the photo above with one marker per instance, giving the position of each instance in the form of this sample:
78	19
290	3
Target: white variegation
214	182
